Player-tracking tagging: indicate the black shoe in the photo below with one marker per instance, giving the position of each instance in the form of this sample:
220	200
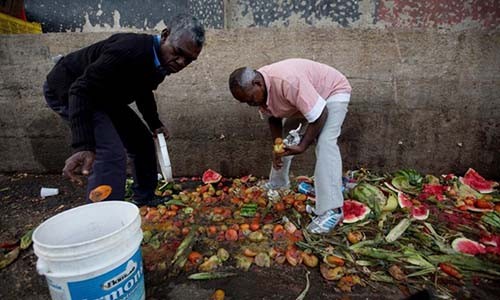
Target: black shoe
155	201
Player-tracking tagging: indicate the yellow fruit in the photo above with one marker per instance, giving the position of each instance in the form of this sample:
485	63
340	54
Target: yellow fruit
218	295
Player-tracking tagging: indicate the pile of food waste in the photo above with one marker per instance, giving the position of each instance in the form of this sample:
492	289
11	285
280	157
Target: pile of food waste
404	227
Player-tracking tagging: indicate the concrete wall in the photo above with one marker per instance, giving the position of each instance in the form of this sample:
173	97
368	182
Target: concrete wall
114	15
422	99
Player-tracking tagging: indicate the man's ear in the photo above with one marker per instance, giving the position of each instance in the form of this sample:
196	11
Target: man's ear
256	81
165	33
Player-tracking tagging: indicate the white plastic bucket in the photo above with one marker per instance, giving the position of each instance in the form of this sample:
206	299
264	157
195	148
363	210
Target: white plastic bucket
92	252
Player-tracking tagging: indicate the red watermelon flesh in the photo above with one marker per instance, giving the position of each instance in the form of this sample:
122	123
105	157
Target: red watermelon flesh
404	201
354	211
492	243
477	182
210	176
492	240
433	190
420	212
466	246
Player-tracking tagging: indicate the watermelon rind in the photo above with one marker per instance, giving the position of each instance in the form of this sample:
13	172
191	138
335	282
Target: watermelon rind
210	176
350	218
466	246
477	182
477	209
418	215
404	201
392	204
392	188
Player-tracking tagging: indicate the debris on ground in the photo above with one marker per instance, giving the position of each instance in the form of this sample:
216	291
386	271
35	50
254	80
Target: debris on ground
402	227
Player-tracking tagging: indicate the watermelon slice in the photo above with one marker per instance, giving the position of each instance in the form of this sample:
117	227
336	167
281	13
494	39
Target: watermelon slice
492	243
304	179
389	186
210	176
420	212
433	190
491	240
466	246
477	209
354	211
404	201
477	182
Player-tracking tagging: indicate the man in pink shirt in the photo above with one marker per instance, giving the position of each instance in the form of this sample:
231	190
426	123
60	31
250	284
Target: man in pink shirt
319	93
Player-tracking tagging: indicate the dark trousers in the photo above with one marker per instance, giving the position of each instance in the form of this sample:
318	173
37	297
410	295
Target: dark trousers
117	134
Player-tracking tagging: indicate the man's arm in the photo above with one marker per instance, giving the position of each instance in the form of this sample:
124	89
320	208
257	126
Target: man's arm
312	132
98	76
146	103
312	106
276	127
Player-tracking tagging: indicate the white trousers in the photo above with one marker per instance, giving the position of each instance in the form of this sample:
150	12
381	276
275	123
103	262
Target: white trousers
328	169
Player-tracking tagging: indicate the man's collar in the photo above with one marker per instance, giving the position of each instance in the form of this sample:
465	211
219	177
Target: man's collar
156	52
267	83
156	49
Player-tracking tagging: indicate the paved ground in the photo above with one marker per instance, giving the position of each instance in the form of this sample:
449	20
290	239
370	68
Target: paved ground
22	208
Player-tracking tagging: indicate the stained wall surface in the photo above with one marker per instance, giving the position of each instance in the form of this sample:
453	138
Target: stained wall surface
426	99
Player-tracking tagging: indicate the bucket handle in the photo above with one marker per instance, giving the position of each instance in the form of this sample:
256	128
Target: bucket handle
42	267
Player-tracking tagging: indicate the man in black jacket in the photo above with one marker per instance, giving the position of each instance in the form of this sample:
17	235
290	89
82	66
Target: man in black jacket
92	88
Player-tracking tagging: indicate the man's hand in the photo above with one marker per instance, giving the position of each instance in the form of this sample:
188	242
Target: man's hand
294	150
82	160
163	130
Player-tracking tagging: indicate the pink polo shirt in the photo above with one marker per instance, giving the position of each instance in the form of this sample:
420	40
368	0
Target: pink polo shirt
300	86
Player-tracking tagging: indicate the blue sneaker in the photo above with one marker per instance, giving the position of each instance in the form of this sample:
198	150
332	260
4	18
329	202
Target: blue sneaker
326	222
310	210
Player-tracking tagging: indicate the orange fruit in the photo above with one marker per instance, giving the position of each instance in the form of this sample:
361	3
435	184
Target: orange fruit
299	206
185	230
484	204
301	197
334	260
249	252
212	230
231	235
279	206
218	210
254	226
195	257
218	295
100	193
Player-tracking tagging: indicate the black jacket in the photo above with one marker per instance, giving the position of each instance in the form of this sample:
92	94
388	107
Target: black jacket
110	73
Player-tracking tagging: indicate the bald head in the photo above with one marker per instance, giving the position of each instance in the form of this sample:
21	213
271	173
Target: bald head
247	85
241	79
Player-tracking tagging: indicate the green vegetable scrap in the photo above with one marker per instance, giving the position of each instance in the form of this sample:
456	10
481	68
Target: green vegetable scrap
249	210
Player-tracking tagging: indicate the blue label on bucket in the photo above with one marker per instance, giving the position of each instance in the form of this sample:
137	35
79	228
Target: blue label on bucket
123	282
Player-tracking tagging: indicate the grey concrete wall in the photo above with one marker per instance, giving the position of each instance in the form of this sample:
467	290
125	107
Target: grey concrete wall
428	100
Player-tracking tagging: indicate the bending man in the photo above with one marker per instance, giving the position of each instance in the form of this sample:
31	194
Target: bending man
319	93
92	89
